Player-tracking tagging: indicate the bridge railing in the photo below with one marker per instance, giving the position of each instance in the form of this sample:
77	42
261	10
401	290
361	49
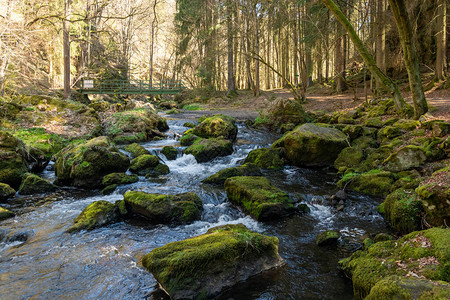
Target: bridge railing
95	86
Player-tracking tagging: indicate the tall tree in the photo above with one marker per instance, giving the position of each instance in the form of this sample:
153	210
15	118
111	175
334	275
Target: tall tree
441	39
231	82
66	50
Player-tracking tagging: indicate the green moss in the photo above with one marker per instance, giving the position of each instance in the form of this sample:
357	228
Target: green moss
188	139
5	214
349	158
388	132
170	152
265	158
218	126
406	158
404	210
144	163
158	208
136	150
248	169
119	178
374	122
189	125
374	182
205	150
6	191
193	107
259	198
33	184
327	238
408	125
109	189
95	215
186	268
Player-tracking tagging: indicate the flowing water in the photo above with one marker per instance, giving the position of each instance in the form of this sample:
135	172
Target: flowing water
105	263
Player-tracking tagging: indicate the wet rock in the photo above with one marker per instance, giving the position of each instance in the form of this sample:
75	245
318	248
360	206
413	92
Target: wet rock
269	159
327	238
170	152
108	190
164	209
148	165
339	196
420	254
205	150
6	192
5	214
119	178
188	139
203	266
21	236
33	184
97	214
404	159
311	145
259	198
248	169
136	150
85	165
218	126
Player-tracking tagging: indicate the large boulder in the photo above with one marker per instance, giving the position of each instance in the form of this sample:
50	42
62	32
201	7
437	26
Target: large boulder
33	184
404	159
133	126
12	163
247	169
375	182
218	126
282	115
164	209
97	214
119	178
85	165
205	150
149	165
259	198
420	254
6	191
327	238
136	150
269	159
170	152
203	266
310	145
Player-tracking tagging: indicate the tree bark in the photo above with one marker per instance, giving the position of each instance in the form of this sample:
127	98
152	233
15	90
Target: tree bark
231	86
411	60
441	37
66	50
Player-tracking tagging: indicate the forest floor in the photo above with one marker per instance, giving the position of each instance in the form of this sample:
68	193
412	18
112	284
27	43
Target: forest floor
246	106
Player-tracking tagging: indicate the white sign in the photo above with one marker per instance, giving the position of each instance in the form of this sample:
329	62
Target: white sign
88	83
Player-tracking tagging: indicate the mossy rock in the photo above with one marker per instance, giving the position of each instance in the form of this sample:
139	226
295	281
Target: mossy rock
170	152
33	184
406	158
430	146
119	178
349	158
5	214
108	190
407	125
353	131
327	238
380	108
97	214
205	150
201	267
311	145
218	126
403	210
364	142
441	129
382	237
136	150
12	163
188	139
282	115
375	158
6	192
422	253
266	158
189	125
388	132
86	164
374	122
435	194
164	209
148	164
135	126
248	169
259	198
375	182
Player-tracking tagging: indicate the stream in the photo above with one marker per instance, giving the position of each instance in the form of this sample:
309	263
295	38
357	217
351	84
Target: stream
105	263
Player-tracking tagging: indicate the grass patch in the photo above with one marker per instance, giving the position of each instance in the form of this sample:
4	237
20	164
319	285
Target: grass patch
192	107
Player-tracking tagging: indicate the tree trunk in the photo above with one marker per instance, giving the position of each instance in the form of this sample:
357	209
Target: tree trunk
441	37
411	60
231	86
256	88
367	57
66	49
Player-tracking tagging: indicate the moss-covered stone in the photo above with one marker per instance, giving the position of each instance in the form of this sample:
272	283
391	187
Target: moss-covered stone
435	194
406	158
353	131
218	126
6	192
374	122
5	214
405	124
349	158
375	158
374	182
205	150
388	132
203	266
119	178
404	210
269	159
109	189
311	145
430	146
248	169
380	107
189	125
12	164
164	209
97	214
188	139
136	150
259	198
419	254
364	142
382	237
33	184
170	152
85	165
282	115
148	164
327	238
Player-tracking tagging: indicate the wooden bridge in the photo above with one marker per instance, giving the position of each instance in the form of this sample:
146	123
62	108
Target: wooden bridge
130	87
